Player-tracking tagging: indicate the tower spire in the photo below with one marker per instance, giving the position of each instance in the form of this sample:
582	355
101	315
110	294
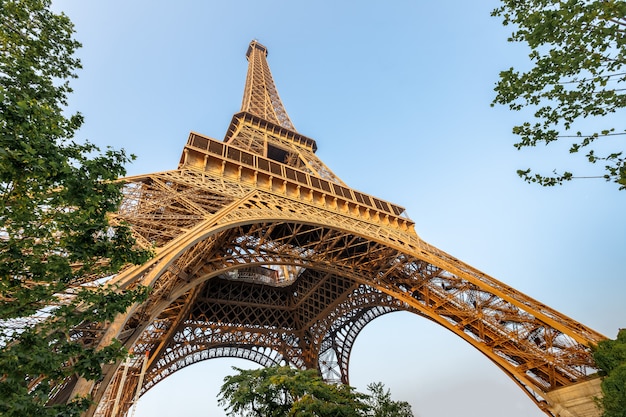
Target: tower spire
263	126
260	96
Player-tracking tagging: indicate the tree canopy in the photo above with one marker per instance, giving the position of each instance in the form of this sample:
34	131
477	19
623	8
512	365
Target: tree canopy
575	85
610	356
55	196
283	391
383	406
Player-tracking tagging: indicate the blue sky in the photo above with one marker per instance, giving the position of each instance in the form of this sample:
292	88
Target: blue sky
397	96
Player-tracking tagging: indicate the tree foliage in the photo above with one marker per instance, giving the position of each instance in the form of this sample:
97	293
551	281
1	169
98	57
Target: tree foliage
284	391
55	196
383	406
577	78
610	356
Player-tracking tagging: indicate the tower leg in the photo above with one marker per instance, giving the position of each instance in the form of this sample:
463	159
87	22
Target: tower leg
576	400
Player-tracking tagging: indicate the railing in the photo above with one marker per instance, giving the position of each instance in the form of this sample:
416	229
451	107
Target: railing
228	152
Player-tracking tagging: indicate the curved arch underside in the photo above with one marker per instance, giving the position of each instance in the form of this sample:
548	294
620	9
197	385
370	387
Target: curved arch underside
287	279
207	336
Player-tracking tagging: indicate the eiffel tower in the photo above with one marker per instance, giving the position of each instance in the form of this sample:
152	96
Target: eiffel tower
263	253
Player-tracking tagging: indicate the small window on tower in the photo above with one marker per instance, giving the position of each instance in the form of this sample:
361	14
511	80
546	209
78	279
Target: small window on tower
277	154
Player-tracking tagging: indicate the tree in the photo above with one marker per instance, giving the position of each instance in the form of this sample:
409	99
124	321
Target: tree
383	406
576	82
282	391
610	356
55	196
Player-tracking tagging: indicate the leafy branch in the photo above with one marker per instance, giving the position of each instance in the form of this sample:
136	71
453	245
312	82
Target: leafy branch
578	52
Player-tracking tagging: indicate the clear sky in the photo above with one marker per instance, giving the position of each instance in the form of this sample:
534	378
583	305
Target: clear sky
397	96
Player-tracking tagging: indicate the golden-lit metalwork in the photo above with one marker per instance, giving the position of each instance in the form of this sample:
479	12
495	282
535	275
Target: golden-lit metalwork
263	253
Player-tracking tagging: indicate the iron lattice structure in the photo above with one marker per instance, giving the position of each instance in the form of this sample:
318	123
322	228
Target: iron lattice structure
263	253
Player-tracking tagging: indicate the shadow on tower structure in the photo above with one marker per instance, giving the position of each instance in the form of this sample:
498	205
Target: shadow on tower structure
263	253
